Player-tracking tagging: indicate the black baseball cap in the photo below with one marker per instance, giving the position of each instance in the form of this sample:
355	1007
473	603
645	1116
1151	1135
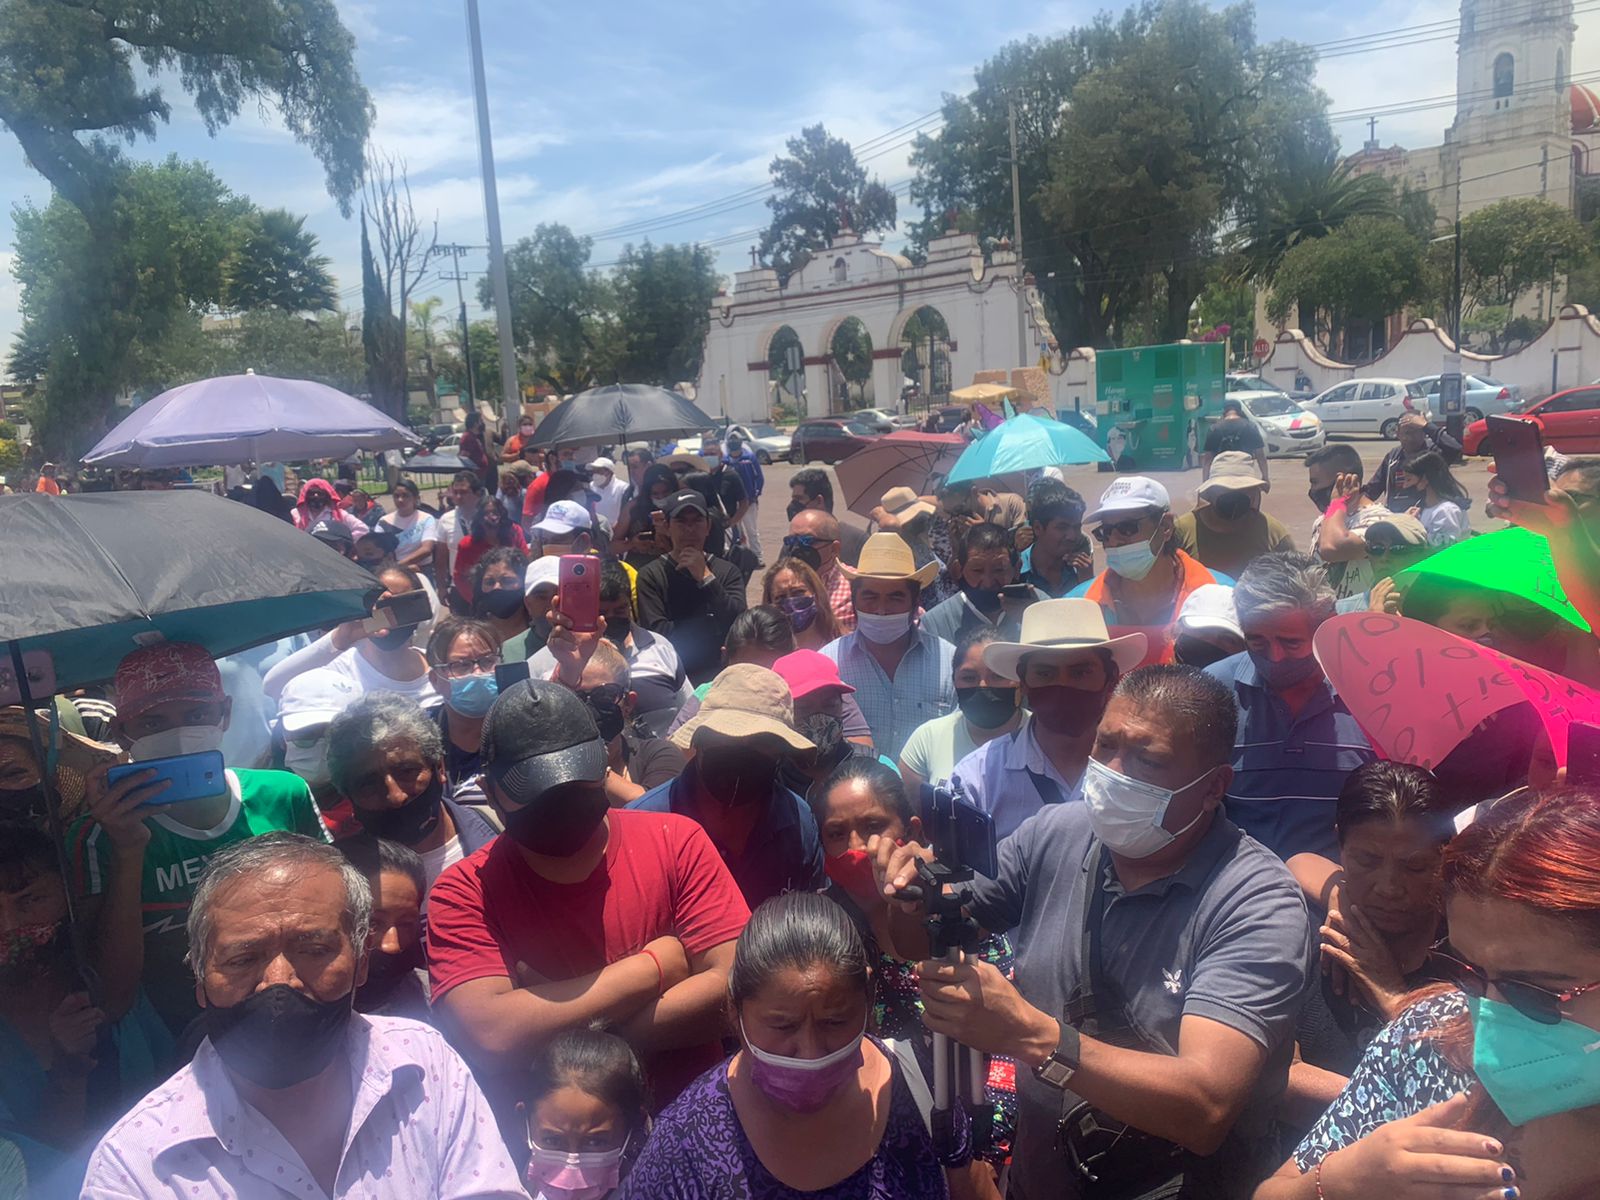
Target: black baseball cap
331	531
540	735
688	498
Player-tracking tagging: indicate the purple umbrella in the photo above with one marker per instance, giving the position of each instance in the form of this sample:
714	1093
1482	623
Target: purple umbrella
247	418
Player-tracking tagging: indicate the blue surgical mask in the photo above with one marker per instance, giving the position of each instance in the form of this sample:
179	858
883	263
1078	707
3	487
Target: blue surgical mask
1132	562
475	695
1532	1070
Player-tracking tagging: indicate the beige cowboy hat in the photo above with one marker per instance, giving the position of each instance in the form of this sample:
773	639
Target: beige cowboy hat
745	701
77	757
1063	629
1232	471
903	504
886	556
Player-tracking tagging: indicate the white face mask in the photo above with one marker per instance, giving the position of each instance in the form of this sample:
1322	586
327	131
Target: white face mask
883	628
172	743
308	762
1133	561
1126	813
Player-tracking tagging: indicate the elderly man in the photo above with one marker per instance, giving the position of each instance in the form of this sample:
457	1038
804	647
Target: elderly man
985	567
292	1092
819	533
169	702
1297	740
812	489
1391	483
687	595
387	757
1227	527
764	832
901	673
1067	665
1167	958
530	936
1147	576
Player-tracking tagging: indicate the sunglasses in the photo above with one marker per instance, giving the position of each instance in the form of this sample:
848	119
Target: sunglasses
605	695
1534	1002
1382	549
1127	529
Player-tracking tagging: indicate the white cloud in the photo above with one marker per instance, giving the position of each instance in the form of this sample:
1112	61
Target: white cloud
431	127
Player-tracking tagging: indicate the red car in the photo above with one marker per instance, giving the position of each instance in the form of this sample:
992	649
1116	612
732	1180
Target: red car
1569	422
828	439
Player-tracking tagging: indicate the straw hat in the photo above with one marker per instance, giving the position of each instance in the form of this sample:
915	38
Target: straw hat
19	769
1063	629
903	504
886	556
1232	471
745	701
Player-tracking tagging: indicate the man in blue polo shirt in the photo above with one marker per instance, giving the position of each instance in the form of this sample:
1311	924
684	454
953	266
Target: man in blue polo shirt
1297	741
765	833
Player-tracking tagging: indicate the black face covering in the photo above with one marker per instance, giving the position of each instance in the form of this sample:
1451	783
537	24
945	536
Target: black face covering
393	639
500	602
987	707
278	1037
1193	652
796	507
617	631
412	821
985	600
1321	497
737	775
1231	506
558	822
608	717
385	972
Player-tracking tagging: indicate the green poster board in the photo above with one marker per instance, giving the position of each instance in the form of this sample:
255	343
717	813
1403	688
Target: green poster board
1153	404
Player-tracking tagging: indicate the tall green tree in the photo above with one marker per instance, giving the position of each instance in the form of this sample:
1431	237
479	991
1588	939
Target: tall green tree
851	349
277	265
560	308
663	306
1511	246
820	186
1360	274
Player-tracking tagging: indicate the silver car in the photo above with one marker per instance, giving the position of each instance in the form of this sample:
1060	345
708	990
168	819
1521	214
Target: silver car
770	443
1481	396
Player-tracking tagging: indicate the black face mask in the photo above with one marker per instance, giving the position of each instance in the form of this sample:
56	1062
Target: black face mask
393	639
608	717
500	602
796	507
1193	652
985	600
987	707
558	822
827	732
617	631
412	821
277	1037
1321	497
1231	506
737	775
385	972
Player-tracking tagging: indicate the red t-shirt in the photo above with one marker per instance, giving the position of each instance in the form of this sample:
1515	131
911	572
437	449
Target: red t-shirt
533	497
661	875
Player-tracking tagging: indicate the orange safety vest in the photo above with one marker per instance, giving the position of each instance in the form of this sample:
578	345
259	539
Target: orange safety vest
1191	575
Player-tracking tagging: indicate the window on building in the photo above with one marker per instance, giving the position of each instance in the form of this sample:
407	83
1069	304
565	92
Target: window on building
1504	76
840	270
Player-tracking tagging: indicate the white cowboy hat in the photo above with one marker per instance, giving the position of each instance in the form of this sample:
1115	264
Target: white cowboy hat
1063	629
886	556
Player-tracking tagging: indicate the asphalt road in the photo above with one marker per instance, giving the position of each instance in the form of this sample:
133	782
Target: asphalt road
1287	500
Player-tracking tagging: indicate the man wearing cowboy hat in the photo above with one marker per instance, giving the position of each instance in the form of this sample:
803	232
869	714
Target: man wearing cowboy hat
904	512
1227	528
901	673
1067	664
765	833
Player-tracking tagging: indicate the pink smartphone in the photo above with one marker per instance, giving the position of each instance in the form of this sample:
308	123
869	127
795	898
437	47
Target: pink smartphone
579	587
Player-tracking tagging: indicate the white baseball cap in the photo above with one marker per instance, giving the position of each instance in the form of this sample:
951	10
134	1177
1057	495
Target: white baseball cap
542	572
1210	606
314	699
602	464
565	516
1130	494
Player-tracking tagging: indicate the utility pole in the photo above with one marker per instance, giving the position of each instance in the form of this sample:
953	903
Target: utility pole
491	204
456	252
1016	235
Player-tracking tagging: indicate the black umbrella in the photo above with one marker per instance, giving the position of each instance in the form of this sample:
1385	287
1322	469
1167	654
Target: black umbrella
620	413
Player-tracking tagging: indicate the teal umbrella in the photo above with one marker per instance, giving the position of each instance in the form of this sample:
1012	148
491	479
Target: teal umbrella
1025	443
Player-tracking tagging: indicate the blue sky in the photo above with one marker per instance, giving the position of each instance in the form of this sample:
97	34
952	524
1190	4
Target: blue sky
623	111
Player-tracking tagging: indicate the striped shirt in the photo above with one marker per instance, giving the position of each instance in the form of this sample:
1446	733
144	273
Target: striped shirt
1288	768
923	686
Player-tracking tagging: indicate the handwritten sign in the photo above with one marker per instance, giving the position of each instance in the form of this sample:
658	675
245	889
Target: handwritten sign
1418	691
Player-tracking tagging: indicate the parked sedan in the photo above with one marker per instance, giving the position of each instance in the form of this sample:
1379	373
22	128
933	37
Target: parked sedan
1368	406
770	443
1285	427
1569	422
1481	395
876	419
828	440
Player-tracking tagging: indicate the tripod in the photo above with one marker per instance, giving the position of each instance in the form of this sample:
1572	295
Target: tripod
958	1071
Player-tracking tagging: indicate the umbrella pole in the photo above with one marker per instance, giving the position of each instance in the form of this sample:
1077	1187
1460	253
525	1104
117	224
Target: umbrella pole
58	833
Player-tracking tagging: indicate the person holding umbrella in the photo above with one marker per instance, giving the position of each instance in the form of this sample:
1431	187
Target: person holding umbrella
169	702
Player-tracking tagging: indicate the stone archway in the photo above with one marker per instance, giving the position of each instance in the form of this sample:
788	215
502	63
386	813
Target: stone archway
785	355
923	337
849	350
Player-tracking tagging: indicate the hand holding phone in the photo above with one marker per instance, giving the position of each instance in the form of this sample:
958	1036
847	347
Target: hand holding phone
397	612
1583	753
578	597
1519	458
187	777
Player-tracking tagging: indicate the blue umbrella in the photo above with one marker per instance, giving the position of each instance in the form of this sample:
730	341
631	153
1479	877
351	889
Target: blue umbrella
1025	443
247	418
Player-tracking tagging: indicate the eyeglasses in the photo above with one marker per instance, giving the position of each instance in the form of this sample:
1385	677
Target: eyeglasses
1534	1002
1125	529
481	665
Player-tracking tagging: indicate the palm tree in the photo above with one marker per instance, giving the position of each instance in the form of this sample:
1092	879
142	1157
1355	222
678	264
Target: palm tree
424	319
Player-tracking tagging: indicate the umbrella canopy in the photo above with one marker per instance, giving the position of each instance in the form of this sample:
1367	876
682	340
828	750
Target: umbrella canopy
1508	560
89	578
619	413
440	462
247	418
1022	444
985	392
902	459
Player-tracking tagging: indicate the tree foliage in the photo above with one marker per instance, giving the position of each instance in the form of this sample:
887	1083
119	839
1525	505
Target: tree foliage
557	302
851	350
1513	245
1365	270
276	265
663	301
820	186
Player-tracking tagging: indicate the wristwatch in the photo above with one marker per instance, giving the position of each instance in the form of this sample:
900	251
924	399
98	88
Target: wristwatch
1062	1065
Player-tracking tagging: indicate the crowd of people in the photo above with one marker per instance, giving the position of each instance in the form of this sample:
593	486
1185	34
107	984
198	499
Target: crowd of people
492	905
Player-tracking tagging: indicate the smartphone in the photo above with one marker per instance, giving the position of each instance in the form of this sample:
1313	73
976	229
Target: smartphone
1018	591
508	675
40	670
1583	753
191	776
1519	458
395	612
578	585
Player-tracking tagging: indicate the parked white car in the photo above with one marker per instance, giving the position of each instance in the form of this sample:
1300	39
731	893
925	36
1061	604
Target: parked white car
770	443
1287	429
1368	406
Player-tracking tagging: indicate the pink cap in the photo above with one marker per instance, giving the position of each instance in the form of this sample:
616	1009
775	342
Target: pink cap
164	672
806	671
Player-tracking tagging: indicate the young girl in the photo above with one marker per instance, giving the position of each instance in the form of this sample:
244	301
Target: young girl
586	1116
1443	511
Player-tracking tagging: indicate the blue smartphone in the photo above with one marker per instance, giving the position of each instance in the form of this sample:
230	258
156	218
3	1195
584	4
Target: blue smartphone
190	776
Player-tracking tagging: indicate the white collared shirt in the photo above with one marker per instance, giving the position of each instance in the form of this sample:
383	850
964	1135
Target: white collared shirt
995	777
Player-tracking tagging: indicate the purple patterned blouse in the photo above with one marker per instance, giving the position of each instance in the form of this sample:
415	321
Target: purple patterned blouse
698	1151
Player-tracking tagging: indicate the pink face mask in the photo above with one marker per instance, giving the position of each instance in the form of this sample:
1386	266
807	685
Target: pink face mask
803	1084
557	1175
